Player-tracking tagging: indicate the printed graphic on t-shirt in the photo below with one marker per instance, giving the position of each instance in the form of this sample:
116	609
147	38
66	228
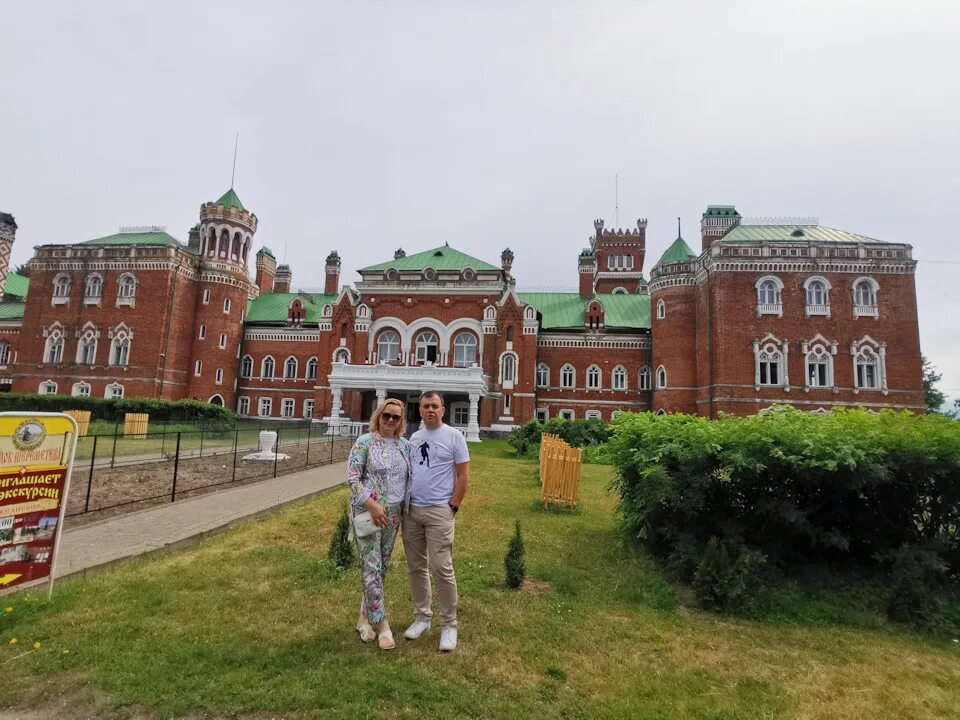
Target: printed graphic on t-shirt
425	453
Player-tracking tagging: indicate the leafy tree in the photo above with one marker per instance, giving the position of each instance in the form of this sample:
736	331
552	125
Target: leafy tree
513	563
932	396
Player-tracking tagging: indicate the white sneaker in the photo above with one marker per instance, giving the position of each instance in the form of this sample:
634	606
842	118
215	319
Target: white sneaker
448	639
418	628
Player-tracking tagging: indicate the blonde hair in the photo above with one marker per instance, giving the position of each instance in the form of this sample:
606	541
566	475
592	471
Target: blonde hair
375	418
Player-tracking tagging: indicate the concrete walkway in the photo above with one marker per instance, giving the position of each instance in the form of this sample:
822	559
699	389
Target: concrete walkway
186	521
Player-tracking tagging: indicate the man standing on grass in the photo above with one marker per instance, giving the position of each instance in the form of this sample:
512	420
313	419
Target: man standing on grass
441	473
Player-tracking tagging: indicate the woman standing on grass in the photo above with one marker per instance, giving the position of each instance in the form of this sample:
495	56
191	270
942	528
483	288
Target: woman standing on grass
378	473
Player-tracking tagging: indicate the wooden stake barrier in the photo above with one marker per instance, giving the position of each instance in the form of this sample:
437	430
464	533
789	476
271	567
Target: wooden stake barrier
559	472
83	420
135	423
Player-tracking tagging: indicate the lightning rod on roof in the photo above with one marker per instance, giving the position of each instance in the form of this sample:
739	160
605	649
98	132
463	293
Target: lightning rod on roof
233	174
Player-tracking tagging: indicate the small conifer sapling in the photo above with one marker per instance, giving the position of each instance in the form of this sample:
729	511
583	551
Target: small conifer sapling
513	563
341	544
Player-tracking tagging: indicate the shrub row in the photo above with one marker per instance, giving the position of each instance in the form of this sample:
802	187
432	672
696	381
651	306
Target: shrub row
724	502
192	411
576	433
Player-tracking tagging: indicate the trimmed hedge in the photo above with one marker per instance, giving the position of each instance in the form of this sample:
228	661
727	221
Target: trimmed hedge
192	411
723	500
576	433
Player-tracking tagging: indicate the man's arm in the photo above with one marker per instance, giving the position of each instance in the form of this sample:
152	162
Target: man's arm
462	482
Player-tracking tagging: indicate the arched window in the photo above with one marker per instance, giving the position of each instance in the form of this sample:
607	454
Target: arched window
770	366
819	367
267	367
246	366
869	365
120	349
865	298
341	355
94	287
769	296
388	346
509	333
126	287
818	296
661	377
4	353
80	389
661	310
426	347
508	368
618	378
594	378
312	369
290	368
568	376
87	347
464	350
644	383
61	286
53	351
543	375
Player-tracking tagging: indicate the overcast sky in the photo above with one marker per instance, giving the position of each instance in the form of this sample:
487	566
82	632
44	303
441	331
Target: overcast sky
369	126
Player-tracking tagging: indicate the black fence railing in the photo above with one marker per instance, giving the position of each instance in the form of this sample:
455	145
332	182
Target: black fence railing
116	471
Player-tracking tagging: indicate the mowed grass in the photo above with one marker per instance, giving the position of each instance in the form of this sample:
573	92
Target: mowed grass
255	623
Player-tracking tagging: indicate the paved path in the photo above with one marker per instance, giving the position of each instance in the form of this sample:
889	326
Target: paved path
186	521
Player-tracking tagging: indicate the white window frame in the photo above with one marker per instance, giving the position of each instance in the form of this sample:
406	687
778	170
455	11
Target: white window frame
594	377
113	391
867	352
87	349
93	289
871	308
80	389
126	290
661	309
48	387
814	308
120	349
218	378
618	378
541	415
769	296
644	378
243	405
568	377
62	286
771	353
198	368
53	347
205	298
288	408
4	353
816	353
227	306
661	377
223	341
308	408
462	343
264	407
246	366
593	415
567	414
290	362
422	345
203	332
312	365
388	345
543	375
459	414
509	366
272	365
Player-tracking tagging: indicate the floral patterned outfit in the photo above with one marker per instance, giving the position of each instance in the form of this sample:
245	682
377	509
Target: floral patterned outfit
378	468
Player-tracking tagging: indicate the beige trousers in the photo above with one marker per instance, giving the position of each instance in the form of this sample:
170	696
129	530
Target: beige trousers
428	545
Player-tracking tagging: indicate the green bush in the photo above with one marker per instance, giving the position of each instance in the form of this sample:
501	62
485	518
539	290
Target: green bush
210	416
576	433
341	543
732	584
513	562
917	578
796	488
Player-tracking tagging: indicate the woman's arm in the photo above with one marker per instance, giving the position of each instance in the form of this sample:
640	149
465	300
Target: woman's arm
355	466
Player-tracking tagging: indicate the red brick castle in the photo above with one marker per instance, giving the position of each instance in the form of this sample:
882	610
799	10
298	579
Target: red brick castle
781	312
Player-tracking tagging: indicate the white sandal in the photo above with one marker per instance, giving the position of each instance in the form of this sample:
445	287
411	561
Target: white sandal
367	633
385	640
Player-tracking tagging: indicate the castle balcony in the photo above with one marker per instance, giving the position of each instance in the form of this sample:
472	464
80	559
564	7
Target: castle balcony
387	380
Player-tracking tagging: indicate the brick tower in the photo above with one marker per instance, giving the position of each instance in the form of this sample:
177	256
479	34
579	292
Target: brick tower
226	236
8	232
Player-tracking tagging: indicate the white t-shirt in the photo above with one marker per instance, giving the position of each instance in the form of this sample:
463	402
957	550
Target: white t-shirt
436	453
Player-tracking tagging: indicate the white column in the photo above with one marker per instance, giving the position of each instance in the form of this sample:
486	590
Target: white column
381	395
334	421
473	426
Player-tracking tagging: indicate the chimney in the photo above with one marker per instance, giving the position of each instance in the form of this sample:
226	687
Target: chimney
587	265
266	270
8	233
332	283
281	282
717	221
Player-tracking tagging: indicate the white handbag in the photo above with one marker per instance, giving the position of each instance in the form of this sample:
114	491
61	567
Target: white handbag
363	524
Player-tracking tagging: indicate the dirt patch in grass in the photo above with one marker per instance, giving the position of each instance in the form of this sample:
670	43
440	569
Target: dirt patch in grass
535	587
128	487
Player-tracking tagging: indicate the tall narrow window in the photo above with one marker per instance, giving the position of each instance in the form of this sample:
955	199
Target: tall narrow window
198	368
61	286
93	288
308	408
246	367
290	369
53	353
127	287
508	368
661	377
426	347
769	296
770	373
865	298
388	346
312	369
819	367
289	404
120	349
568	376
4	353
644	383
267	367
464	350
661	310
543	375
243	406
219	376
223	340
619	378
594	378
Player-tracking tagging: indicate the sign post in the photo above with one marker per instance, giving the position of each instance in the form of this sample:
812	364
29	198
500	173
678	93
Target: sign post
36	459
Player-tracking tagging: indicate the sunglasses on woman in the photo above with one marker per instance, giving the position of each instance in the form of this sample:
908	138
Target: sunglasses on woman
390	417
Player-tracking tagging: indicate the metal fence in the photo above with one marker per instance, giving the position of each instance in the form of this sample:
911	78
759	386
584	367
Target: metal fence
113	471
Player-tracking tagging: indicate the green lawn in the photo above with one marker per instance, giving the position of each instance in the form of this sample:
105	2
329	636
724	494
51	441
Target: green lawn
255	623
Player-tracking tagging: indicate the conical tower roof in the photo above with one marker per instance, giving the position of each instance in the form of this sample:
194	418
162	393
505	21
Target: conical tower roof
679	251
229	199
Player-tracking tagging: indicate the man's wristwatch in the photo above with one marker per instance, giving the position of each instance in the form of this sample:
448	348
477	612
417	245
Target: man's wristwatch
454	507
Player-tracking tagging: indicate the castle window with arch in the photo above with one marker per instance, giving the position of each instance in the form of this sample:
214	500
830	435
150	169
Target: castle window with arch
223	341
93	290
53	349
661	377
869	365
47	388
594	378
464	350
568	376
388	346
4	353
426	347
126	290
818	357
769	296
80	389
246	367
87	349
618	378
818	297
120	348
865	298
312	369
661	309
770	362
341	355
290	369
543	375
267	367
219	376
644	383
61	289
508	369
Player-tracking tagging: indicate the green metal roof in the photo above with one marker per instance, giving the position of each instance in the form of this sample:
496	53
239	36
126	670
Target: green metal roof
793	234
11	311
229	199
565	310
16	285
135	238
721	211
266	251
679	251
440	258
273	306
